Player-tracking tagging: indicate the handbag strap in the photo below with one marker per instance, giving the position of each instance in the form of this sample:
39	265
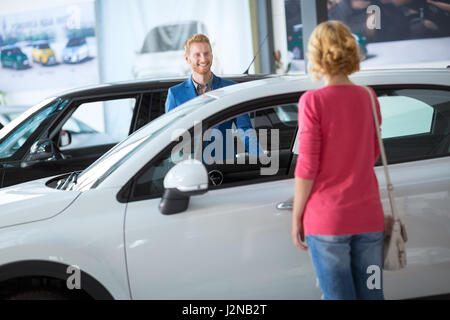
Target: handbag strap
390	186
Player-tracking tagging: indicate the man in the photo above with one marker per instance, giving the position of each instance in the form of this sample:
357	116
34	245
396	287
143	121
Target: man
198	53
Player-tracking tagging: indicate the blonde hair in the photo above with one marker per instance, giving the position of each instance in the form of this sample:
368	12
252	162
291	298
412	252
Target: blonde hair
195	38
332	50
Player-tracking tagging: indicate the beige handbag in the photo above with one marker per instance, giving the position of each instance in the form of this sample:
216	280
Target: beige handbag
396	237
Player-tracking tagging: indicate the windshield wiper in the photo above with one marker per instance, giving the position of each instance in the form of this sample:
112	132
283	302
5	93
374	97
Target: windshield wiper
71	180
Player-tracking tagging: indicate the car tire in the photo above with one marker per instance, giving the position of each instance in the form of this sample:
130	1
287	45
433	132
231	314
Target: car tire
15	66
39	295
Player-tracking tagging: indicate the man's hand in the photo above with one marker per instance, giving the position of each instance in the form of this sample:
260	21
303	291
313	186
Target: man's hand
440	5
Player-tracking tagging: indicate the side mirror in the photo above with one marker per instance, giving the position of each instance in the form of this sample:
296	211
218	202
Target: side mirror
41	150
65	138
186	179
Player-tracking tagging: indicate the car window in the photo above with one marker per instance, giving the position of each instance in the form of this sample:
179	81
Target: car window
110	161
416	123
256	155
76	42
404	116
151	107
78	127
99	123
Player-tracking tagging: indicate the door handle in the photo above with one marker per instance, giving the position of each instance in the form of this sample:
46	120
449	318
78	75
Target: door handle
285	205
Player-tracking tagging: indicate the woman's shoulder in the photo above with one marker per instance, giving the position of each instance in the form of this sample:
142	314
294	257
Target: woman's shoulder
323	95
313	94
348	91
308	95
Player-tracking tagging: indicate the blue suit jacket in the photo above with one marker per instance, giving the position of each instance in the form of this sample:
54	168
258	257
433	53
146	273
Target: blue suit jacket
185	91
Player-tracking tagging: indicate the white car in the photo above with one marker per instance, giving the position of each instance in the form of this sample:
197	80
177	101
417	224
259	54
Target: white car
76	50
140	223
162	52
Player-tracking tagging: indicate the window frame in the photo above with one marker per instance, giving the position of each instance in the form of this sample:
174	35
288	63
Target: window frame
388	90
125	195
75	103
147	108
24	150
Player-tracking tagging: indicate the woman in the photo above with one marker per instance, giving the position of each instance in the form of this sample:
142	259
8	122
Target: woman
337	204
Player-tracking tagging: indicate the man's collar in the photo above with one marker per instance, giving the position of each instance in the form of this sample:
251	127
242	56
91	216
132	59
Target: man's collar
209	84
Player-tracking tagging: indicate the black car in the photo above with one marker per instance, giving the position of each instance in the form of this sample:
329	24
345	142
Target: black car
42	142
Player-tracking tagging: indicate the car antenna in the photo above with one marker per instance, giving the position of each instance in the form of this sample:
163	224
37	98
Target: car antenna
257	53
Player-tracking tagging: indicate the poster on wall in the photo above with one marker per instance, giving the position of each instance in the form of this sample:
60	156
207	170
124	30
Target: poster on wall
145	38
390	34
49	49
162	51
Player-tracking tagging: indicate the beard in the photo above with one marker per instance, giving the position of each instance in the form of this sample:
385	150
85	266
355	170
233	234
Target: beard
200	70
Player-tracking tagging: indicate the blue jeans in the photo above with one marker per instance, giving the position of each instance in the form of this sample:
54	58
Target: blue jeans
348	267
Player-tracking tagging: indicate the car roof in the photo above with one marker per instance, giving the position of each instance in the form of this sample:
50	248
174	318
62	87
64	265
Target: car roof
372	77
82	39
181	23
9	47
290	83
128	87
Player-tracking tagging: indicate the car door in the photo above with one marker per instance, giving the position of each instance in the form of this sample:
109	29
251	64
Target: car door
9	58
231	243
416	127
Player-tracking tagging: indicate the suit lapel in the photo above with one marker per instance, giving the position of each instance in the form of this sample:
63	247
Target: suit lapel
216	82
190	89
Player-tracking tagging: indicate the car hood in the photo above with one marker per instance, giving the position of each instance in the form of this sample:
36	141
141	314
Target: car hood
71	50
47	52
32	201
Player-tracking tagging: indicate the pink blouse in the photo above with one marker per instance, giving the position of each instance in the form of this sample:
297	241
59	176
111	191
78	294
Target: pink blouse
338	148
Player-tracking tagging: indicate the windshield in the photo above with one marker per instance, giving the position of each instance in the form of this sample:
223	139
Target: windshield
170	37
108	163
75	43
16	133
